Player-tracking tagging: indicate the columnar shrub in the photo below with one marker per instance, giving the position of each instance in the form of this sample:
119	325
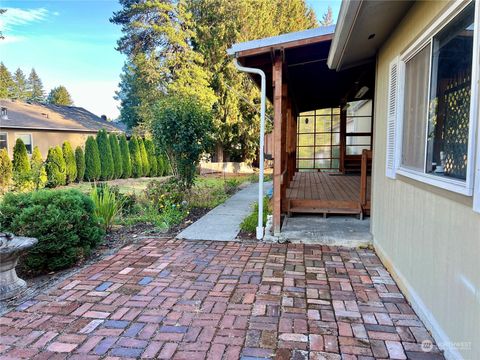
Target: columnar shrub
80	161
92	160
21	166
144	157
135	157
152	161
117	160
106	159
70	164
5	170
125	156
63	221
38	172
56	167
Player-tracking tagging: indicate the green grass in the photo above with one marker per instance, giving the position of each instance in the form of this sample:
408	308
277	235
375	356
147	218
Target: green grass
249	224
125	186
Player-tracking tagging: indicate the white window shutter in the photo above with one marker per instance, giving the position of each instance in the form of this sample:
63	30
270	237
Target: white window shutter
392	114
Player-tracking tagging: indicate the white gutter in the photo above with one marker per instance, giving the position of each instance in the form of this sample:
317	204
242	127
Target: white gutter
260	229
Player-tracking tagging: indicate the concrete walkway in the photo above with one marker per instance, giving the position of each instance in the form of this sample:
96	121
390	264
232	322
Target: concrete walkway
223	222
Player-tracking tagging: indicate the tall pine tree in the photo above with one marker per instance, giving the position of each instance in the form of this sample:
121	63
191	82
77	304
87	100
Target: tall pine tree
60	96
35	89
6	82
19	89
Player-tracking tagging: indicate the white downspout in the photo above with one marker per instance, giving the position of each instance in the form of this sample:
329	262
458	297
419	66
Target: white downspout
260	229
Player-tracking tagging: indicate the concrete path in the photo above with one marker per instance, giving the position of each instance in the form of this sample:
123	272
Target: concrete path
223	222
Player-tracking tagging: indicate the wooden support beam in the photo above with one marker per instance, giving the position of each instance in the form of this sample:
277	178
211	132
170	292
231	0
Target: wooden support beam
277	128
343	137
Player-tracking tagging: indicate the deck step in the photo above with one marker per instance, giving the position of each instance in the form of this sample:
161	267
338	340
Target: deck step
319	210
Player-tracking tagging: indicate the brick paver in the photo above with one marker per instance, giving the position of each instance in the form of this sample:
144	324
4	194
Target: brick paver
174	299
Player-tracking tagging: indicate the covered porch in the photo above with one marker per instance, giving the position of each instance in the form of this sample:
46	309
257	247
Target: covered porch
322	126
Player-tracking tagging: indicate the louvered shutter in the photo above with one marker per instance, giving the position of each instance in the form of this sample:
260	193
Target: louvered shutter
392	112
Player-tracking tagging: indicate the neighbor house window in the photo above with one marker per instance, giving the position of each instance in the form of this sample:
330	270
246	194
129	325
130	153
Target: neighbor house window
435	114
3	141
27	140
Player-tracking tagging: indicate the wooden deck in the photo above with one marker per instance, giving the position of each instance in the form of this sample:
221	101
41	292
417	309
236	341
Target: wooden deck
326	193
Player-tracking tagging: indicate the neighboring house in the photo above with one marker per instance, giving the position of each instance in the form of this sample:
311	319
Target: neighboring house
419	63
47	125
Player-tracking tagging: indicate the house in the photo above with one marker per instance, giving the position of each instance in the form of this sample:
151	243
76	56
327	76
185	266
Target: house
47	125
416	63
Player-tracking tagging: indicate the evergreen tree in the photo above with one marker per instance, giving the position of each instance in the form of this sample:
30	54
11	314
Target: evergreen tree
21	167
35	87
152	160
106	158
70	164
6	82
135	157
144	158
117	159
56	167
125	155
5	170
39	173
92	160
20	91
80	161
60	96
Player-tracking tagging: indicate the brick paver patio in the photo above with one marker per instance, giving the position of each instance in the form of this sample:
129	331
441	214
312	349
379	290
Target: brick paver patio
174	299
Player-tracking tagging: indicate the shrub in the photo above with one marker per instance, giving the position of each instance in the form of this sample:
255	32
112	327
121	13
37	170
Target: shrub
117	160
80	161
135	157
125	156
182	128
144	158
92	160
56	168
249	224
70	164
5	170
160	192
107	205
21	167
63	221
38	172
106	159
152	159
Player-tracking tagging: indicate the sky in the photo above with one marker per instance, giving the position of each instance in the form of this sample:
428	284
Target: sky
72	43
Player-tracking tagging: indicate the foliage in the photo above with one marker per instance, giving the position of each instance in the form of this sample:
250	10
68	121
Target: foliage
182	127
38	172
117	160
125	156
80	162
92	160
63	221
249	224
152	159
35	87
135	157
6	82
106	158
70	164
56	167
5	170
60	96
161	192
144	157
19	88
327	18
21	167
107	205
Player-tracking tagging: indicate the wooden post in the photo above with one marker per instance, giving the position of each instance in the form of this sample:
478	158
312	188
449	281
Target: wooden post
343	136
277	128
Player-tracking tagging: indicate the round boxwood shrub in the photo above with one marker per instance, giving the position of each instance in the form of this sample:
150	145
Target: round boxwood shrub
70	164
106	159
125	156
80	162
56	168
117	160
136	158
63	221
92	160
5	170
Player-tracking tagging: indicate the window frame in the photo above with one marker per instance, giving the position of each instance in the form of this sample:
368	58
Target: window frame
31	140
6	138
458	186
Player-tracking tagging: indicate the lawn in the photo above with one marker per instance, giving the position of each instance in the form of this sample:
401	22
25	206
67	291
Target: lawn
131	185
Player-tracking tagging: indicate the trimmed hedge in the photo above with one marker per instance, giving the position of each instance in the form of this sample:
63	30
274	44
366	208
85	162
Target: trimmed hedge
125	155
63	221
92	160
117	160
56	168
70	164
150	148
80	162
144	158
106	159
5	170
136	159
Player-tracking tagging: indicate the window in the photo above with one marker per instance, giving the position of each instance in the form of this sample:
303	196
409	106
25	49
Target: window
3	141
27	140
435	140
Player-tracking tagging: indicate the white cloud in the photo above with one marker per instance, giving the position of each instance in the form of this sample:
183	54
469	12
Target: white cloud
8	39
16	16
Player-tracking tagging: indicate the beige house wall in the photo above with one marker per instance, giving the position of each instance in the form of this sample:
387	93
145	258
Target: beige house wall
428	238
46	139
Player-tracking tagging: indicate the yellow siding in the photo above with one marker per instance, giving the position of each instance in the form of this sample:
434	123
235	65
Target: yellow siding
429	238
